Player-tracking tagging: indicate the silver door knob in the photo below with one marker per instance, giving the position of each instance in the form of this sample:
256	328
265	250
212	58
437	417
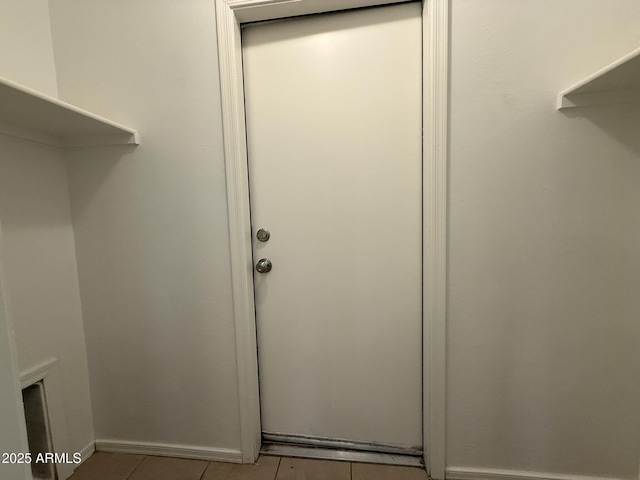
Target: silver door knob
263	265
263	235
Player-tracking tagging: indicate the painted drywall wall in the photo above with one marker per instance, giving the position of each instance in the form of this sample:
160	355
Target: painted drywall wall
542	372
26	55
544	232
150	222
41	282
41	274
14	435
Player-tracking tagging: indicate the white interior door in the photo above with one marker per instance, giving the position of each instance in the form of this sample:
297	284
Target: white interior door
334	108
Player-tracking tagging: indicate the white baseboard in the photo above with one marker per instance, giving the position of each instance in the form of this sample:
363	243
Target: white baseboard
459	473
67	469
169	450
86	452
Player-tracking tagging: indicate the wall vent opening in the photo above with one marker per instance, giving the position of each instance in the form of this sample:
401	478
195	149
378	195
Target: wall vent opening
38	430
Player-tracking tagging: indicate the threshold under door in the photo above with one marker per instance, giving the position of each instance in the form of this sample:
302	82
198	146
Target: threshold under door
330	449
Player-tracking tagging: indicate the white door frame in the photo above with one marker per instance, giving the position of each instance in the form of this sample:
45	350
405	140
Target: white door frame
230	14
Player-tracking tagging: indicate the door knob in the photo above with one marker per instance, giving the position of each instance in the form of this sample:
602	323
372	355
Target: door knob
263	265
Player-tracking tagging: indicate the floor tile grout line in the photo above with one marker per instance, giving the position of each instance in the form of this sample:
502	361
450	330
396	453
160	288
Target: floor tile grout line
137	466
278	469
204	471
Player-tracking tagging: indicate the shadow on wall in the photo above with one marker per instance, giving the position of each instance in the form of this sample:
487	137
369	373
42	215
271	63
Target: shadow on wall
572	314
95	165
33	182
618	311
622	121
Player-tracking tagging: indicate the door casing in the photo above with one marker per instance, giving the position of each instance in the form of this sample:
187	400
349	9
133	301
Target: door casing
230	15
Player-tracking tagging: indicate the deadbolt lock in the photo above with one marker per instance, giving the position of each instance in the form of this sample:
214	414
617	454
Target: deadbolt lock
263	235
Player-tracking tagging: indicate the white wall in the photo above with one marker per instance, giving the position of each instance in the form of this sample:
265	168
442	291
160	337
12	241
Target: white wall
14	435
41	281
544	233
26	55
543	331
150	222
41	274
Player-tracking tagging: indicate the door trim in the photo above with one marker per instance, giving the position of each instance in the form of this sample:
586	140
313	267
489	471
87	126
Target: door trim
230	14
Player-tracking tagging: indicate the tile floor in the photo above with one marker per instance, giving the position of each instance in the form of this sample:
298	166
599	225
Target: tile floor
121	466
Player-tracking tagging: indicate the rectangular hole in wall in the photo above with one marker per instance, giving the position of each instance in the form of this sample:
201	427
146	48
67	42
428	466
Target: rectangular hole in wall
38	430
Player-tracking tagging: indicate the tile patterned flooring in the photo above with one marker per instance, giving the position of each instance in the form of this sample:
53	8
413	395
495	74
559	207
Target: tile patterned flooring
121	466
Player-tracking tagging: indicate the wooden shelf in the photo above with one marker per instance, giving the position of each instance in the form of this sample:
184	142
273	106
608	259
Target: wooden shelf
32	115
615	83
